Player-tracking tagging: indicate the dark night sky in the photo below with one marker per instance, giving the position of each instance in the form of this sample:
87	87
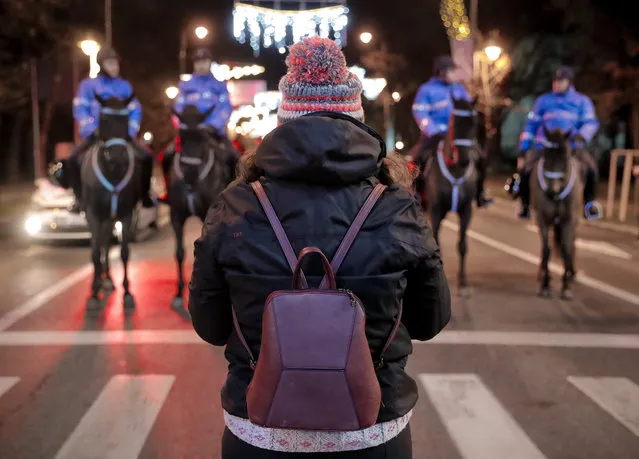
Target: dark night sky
147	31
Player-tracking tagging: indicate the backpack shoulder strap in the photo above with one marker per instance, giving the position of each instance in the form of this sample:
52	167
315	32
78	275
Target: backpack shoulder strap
289	253
346	245
285	244
354	230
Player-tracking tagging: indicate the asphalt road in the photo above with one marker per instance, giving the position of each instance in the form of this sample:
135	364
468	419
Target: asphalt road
513	376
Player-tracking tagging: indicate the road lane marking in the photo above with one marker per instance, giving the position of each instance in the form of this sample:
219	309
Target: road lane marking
599	247
478	424
556	269
6	383
119	421
42	298
619	397
450	337
597	224
535	339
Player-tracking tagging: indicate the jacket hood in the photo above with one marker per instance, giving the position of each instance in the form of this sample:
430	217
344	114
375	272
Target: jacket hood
323	148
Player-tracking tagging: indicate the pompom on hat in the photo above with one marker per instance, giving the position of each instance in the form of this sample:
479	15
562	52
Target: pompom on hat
318	80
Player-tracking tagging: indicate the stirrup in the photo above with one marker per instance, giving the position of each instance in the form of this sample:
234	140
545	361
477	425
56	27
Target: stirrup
593	210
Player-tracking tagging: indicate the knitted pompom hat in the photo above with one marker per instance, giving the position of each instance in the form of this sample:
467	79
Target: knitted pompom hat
318	80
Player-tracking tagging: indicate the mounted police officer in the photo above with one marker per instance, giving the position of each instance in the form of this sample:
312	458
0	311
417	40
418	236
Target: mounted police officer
86	111
432	110
566	109
204	91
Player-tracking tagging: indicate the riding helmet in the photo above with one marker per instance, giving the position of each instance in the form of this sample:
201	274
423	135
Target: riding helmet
106	54
564	73
443	63
201	54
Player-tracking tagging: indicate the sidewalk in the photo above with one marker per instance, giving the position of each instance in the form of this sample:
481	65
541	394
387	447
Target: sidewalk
495	187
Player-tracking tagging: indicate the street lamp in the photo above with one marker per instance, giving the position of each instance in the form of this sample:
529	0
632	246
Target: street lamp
492	52
397	96
366	37
201	32
91	49
172	92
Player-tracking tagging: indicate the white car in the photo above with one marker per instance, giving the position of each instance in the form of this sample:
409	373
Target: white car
49	218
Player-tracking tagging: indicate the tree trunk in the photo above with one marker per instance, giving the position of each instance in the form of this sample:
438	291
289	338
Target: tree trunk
48	108
635	125
16	146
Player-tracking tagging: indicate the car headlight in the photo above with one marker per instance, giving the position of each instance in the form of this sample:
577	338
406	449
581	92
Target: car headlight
33	225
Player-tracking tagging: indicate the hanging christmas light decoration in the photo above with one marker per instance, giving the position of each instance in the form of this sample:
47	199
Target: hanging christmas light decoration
268	27
453	14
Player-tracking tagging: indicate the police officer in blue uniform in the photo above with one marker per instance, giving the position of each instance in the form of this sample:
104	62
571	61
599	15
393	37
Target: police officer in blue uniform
566	109
86	111
432	110
204	91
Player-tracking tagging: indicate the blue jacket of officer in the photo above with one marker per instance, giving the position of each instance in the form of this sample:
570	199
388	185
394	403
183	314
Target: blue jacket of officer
433	105
86	108
570	111
206	91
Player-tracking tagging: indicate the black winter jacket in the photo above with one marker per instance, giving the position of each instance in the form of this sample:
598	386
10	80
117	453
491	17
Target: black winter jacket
318	171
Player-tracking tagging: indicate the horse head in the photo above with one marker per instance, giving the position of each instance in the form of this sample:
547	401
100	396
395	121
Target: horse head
462	131
191	119
195	142
114	117
557	156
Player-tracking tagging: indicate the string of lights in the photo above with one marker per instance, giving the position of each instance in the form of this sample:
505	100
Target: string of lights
268	27
453	14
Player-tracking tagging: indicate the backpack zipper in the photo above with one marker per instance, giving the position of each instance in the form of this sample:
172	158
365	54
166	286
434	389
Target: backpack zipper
351	296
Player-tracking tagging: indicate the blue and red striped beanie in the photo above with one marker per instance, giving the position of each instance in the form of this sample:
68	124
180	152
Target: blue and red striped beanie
318	80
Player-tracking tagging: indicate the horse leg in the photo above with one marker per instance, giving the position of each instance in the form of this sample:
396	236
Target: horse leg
96	257
177	221
436	218
568	254
107	234
127	236
545	258
462	248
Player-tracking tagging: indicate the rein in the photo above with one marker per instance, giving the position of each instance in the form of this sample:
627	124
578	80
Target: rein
445	161
542	175
110	187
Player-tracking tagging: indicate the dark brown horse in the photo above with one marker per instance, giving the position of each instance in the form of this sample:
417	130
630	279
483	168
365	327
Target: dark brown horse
451	179
110	180
199	173
557	198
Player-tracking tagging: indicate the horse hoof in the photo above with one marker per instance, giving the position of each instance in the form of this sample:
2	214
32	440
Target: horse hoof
107	285
93	304
178	303
544	293
464	292
567	295
129	301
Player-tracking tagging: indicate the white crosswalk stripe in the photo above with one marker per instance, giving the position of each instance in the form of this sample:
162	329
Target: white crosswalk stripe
119	421
7	383
478	424
617	396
